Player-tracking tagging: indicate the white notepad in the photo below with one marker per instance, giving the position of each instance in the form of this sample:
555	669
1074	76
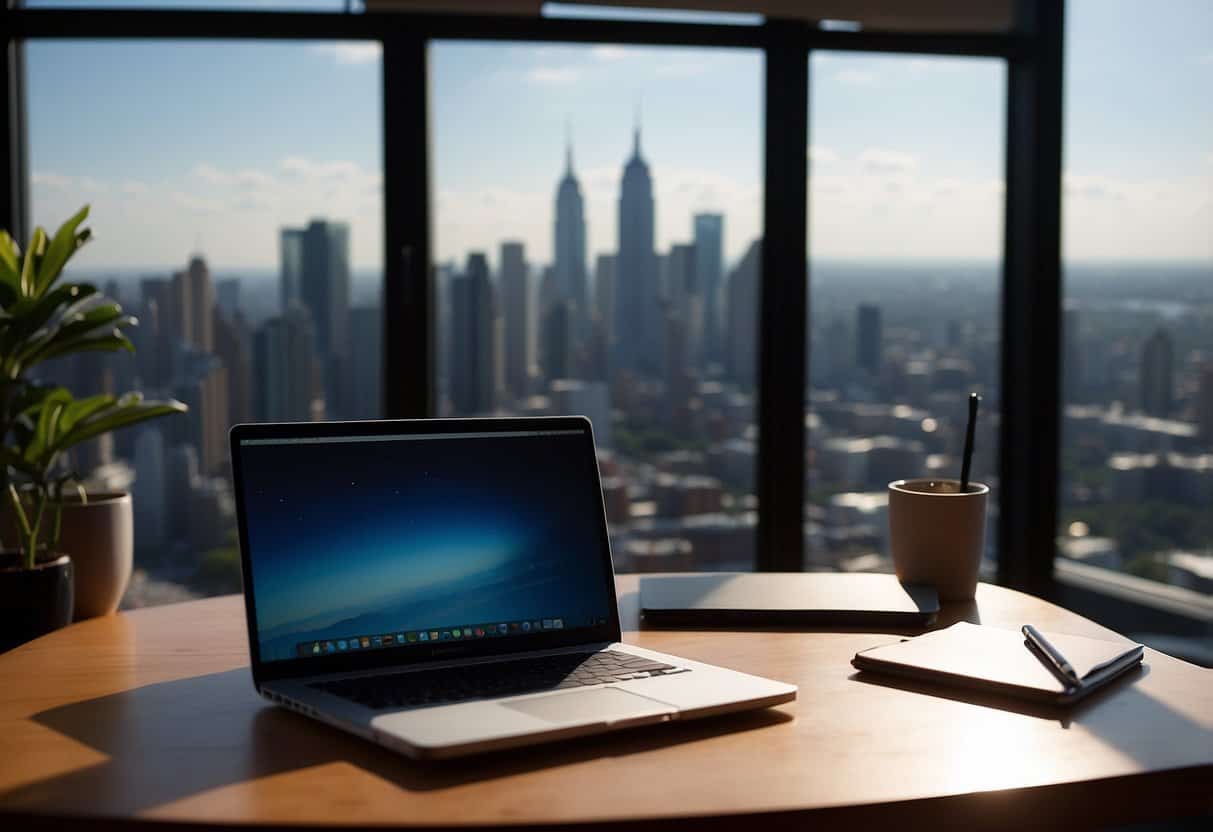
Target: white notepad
999	661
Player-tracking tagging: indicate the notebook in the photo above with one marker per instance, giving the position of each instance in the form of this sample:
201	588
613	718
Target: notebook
784	599
999	661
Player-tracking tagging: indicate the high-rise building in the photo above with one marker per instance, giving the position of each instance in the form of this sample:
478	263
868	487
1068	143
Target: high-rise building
473	362
1157	396
1204	404
325	285
366	342
685	300
604	292
709	271
741	358
150	502
202	386
233	348
515	302
284	368
869	348
290	267
638	315
556	344
194	302
568	260
227	296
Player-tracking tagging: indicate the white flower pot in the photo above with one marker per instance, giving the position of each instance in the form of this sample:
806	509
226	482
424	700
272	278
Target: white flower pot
100	537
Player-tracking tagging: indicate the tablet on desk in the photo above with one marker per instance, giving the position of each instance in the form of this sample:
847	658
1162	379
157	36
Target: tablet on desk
785	599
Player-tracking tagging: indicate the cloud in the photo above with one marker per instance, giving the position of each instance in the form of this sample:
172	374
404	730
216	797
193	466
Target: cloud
822	155
857	77
351	52
302	168
196	204
134	188
552	75
609	52
681	69
1093	187
881	161
46	179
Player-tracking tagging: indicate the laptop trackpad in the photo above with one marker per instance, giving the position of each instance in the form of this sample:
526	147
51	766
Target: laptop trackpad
596	705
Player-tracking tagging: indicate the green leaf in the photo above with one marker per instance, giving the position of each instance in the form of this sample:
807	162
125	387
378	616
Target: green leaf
61	248
12	458
30	315
10	265
119	416
29	274
77	326
110	342
82	409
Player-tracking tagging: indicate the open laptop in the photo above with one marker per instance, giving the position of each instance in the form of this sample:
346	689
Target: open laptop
444	586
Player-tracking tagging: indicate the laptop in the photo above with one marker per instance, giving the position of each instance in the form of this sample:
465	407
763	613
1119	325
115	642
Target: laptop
444	587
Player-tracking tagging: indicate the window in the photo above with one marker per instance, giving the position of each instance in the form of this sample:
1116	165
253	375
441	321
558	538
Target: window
597	214
237	210
905	247
1137	454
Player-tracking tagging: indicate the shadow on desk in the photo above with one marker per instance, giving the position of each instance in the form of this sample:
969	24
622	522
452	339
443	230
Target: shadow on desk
198	734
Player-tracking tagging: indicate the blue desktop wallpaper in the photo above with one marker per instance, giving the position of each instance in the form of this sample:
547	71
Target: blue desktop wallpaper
375	537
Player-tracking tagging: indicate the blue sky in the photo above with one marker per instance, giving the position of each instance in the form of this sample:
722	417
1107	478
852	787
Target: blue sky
215	145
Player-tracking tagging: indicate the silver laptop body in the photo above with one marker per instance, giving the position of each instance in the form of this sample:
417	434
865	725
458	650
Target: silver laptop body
444	587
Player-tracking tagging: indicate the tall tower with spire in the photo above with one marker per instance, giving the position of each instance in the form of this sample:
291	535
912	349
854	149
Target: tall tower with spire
638	315
569	256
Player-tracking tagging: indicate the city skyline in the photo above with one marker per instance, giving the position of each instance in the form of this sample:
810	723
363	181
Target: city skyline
876	161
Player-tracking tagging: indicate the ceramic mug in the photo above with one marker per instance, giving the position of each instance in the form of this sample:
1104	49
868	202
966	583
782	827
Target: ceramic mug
937	534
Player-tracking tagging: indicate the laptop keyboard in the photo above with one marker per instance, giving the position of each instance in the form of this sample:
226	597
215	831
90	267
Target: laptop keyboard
423	688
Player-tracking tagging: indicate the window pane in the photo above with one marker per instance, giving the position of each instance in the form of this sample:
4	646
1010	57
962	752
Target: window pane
1137	461
905	244
597	220
237	211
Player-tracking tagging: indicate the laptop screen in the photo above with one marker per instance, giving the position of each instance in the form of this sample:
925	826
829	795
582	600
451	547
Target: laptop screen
365	543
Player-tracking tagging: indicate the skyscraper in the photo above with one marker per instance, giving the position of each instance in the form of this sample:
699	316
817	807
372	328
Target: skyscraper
366	374
473	362
1155	378
604	291
325	284
685	303
284	367
869	349
200	308
709	270
741	359
290	266
233	348
568	258
638	315
515	301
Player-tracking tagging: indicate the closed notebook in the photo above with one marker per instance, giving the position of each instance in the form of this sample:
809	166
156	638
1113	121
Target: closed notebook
994	660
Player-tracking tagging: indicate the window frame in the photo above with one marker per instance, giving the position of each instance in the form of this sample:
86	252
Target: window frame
1031	282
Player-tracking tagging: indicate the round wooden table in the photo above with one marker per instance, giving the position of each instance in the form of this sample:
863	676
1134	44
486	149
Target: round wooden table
151	716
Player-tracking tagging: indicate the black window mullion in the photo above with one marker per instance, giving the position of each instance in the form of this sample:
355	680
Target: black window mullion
408	302
14	190
1031	305
783	304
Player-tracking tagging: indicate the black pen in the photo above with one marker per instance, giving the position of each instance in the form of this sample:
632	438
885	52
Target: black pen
1055	659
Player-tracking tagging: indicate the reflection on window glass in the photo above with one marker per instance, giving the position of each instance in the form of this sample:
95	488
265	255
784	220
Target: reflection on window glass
237	211
597	218
905	247
1137	460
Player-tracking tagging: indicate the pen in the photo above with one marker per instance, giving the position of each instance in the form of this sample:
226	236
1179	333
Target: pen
1054	657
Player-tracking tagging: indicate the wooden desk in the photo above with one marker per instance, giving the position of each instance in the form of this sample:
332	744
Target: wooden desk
152	715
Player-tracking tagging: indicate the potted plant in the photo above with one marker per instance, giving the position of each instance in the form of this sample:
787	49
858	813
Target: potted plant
41	319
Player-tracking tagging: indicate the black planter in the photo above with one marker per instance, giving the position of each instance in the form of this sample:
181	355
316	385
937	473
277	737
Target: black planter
33	602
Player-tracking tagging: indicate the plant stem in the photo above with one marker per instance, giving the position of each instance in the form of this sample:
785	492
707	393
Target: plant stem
32	553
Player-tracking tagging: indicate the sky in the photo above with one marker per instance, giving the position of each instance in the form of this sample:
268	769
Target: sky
214	146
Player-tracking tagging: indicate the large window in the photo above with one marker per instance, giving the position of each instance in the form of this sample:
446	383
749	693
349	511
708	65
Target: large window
1137	458
905	248
597	219
237	211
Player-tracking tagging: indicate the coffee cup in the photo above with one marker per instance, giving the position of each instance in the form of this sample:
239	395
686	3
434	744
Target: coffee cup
937	534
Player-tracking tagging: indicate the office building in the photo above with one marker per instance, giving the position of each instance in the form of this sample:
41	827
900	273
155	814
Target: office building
233	347
604	292
685	299
1204	404
227	296
869	346
709	270
1156	379
515	304
193	303
556	344
148	492
366	370
568	255
742	317
473	360
284	368
638	321
202	386
290	267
